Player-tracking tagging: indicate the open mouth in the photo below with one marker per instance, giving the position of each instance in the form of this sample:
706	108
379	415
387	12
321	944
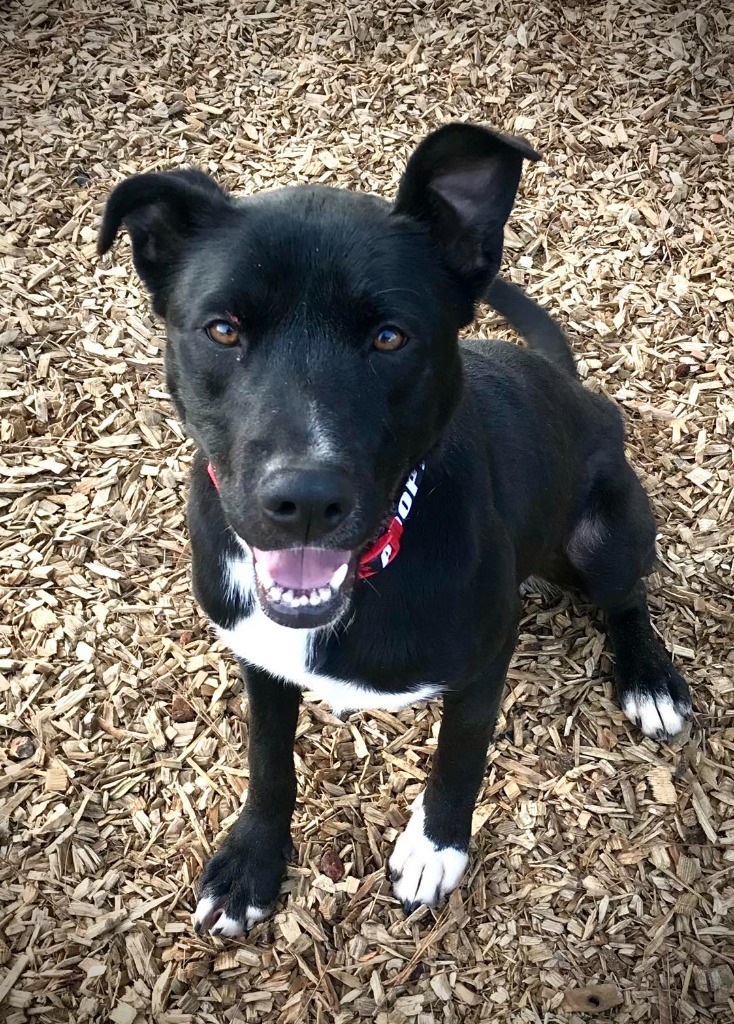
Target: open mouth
304	587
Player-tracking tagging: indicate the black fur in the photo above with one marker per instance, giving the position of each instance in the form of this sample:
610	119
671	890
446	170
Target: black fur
525	469
531	321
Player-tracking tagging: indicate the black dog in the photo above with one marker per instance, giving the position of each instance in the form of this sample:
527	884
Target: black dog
367	494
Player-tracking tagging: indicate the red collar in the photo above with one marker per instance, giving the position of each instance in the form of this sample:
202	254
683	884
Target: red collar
385	549
212	474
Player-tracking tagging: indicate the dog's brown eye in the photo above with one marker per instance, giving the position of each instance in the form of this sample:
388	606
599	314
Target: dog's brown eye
389	339
223	333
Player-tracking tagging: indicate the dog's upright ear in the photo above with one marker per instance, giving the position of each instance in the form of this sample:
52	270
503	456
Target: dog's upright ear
161	211
461	183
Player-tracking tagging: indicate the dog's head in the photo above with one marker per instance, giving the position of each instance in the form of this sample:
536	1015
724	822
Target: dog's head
312	342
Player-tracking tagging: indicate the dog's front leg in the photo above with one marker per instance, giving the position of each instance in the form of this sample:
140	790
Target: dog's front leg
430	856
241	882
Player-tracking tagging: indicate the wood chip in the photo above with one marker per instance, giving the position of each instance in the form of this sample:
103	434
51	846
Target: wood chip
14	973
123	1013
442	988
661	783
181	710
721	983
592	998
56	779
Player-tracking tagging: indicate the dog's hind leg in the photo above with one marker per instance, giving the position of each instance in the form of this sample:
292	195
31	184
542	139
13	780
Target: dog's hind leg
610	548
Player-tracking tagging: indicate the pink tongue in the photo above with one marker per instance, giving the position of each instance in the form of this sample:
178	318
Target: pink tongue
301	568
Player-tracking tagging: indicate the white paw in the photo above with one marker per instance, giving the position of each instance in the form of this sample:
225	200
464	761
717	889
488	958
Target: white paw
657	715
420	871
210	918
537	585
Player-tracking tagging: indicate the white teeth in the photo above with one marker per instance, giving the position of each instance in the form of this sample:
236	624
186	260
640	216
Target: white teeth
263	575
339	576
313	598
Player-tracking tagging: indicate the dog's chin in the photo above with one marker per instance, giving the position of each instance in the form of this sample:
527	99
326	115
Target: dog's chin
306	588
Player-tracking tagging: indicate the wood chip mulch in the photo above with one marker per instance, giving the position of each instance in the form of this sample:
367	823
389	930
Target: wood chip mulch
602	873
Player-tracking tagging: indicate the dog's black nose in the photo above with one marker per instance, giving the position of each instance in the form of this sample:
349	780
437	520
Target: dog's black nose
307	503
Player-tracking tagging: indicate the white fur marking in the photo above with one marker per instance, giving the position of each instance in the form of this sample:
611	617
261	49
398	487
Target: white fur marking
425	873
204	908
239	575
226	926
537	585
285	653
321	445
590	532
656	716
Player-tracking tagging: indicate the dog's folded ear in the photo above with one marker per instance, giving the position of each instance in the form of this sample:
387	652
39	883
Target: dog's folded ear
161	211
461	183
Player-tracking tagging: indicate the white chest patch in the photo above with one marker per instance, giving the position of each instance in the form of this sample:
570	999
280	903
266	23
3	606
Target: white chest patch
285	653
